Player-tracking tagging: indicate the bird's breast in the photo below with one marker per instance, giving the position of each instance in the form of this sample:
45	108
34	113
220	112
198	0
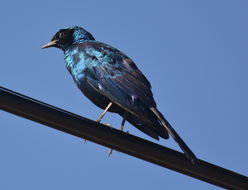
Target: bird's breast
76	64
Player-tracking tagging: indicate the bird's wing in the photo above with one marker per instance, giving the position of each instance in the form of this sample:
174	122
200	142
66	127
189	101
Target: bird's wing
115	76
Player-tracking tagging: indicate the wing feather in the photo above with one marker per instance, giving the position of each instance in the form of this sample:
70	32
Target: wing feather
115	76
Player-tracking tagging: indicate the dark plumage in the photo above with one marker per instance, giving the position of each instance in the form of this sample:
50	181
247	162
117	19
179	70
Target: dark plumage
104	75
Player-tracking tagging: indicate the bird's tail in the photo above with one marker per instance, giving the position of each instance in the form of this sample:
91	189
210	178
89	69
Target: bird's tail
175	136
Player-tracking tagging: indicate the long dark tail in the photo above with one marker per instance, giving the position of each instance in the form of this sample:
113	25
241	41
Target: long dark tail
175	136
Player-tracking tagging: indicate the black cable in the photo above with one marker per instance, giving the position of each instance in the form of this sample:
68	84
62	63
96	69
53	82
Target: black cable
73	124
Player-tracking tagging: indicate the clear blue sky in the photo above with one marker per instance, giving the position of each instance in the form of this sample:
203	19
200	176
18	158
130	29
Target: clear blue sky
193	52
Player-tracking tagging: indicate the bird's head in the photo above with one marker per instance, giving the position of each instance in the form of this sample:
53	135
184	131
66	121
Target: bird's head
66	37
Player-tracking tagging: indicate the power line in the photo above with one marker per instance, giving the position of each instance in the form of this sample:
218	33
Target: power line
76	125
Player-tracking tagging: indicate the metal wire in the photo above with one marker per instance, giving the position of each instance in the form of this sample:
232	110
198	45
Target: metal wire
73	124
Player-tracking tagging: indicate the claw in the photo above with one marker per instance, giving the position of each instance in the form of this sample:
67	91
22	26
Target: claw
109	125
110	151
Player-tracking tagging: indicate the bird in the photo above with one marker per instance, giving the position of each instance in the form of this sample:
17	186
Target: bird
113	82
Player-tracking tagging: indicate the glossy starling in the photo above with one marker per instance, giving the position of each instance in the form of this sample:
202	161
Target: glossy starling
112	81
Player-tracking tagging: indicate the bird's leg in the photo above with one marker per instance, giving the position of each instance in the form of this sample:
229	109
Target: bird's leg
123	121
102	115
121	128
104	112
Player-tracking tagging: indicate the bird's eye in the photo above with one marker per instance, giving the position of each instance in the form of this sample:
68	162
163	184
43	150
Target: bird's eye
61	34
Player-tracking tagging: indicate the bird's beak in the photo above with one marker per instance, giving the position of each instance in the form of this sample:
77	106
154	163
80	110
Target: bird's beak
50	44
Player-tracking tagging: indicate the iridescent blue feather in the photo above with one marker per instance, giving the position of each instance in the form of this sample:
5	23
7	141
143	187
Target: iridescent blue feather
100	70
104	75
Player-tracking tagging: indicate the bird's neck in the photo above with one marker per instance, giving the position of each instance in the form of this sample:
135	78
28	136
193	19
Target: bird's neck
67	47
79	41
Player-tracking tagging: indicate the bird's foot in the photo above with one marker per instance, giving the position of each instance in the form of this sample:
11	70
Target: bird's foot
110	150
107	124
98	120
